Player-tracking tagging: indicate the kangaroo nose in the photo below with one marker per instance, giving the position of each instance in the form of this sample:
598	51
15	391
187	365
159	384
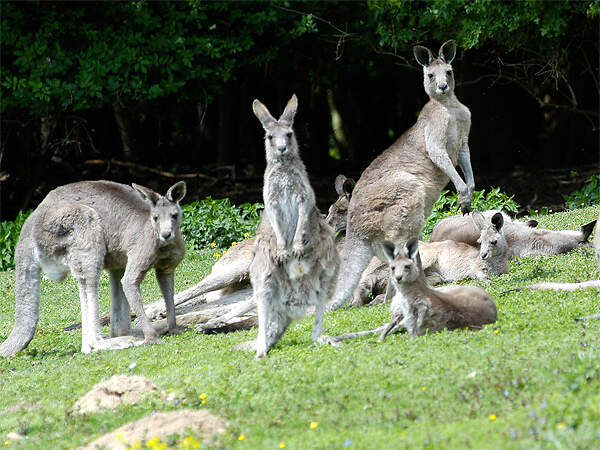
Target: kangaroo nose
444	87
282	149
166	235
486	255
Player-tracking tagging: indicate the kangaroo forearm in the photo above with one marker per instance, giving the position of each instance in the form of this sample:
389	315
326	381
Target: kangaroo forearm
443	162
464	162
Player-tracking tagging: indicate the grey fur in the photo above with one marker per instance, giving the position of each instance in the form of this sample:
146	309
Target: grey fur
295	262
421	309
396	193
523	240
591	284
87	226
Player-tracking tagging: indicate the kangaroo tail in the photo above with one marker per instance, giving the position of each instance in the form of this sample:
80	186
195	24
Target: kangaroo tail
27	287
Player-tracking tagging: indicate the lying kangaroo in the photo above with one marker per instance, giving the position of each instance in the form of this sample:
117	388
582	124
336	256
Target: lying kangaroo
396	193
85	227
447	261
523	240
295	261
420	309
592	284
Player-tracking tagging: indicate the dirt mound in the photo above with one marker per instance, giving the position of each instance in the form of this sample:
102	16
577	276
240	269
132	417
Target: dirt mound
120	389
161	425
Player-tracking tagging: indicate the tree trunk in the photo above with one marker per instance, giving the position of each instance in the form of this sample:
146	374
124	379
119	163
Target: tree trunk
124	125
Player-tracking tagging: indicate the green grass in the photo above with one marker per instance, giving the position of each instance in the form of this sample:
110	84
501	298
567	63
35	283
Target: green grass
535	370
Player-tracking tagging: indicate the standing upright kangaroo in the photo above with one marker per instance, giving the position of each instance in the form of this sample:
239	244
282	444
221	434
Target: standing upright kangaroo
396	193
295	260
87	226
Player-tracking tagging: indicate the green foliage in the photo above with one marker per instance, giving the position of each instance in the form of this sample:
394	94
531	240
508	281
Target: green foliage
139	51
474	23
218	222
447	205
588	195
9	236
530	380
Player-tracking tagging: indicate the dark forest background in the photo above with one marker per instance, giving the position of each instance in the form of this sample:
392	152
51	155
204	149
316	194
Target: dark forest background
150	92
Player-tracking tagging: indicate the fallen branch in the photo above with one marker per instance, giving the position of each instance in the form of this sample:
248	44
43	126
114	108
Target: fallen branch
163	173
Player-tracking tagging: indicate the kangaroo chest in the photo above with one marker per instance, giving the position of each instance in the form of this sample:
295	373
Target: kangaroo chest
457	132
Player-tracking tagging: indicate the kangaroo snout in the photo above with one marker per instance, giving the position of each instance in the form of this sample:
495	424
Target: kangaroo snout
166	235
443	88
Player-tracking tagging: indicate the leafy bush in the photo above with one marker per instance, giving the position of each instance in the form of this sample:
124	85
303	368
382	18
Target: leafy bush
447	205
588	195
9	236
218	222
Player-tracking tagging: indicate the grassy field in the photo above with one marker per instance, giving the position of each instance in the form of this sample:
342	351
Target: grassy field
531	380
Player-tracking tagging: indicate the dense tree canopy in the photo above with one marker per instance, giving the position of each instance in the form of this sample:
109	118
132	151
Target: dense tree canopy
168	85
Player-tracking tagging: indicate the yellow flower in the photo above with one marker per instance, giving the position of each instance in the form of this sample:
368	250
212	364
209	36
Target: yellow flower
423	388
561	425
492	417
234	243
152	442
246	235
203	396
7	442
213	245
314	425
120	437
282	444
190	442
204	402
496	331
582	203
216	255
241	437
549	210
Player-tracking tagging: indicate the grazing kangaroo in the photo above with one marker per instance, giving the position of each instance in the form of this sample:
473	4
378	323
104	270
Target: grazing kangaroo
396	193
592	284
523	240
85	227
295	260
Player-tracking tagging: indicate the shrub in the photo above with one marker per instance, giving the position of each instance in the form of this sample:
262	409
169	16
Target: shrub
447	205
9	236
588	195
218	221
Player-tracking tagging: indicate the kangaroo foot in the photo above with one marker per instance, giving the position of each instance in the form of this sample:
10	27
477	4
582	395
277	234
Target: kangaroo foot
246	346
328	340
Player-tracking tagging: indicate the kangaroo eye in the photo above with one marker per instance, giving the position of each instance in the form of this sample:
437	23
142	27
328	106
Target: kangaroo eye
430	76
449	73
155	218
270	137
289	135
175	215
494	242
393	268
407	267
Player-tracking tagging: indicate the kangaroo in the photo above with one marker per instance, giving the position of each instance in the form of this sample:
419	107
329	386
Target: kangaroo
592	284
295	261
523	240
421	309
396	193
447	261
87	226
338	211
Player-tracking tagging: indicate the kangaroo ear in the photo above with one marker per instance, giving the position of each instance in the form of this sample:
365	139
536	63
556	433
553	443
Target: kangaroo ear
498	221
423	55
176	192
412	248
290	111
587	229
349	187
147	194
263	114
448	51
389	251
339	184
532	223
478	220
